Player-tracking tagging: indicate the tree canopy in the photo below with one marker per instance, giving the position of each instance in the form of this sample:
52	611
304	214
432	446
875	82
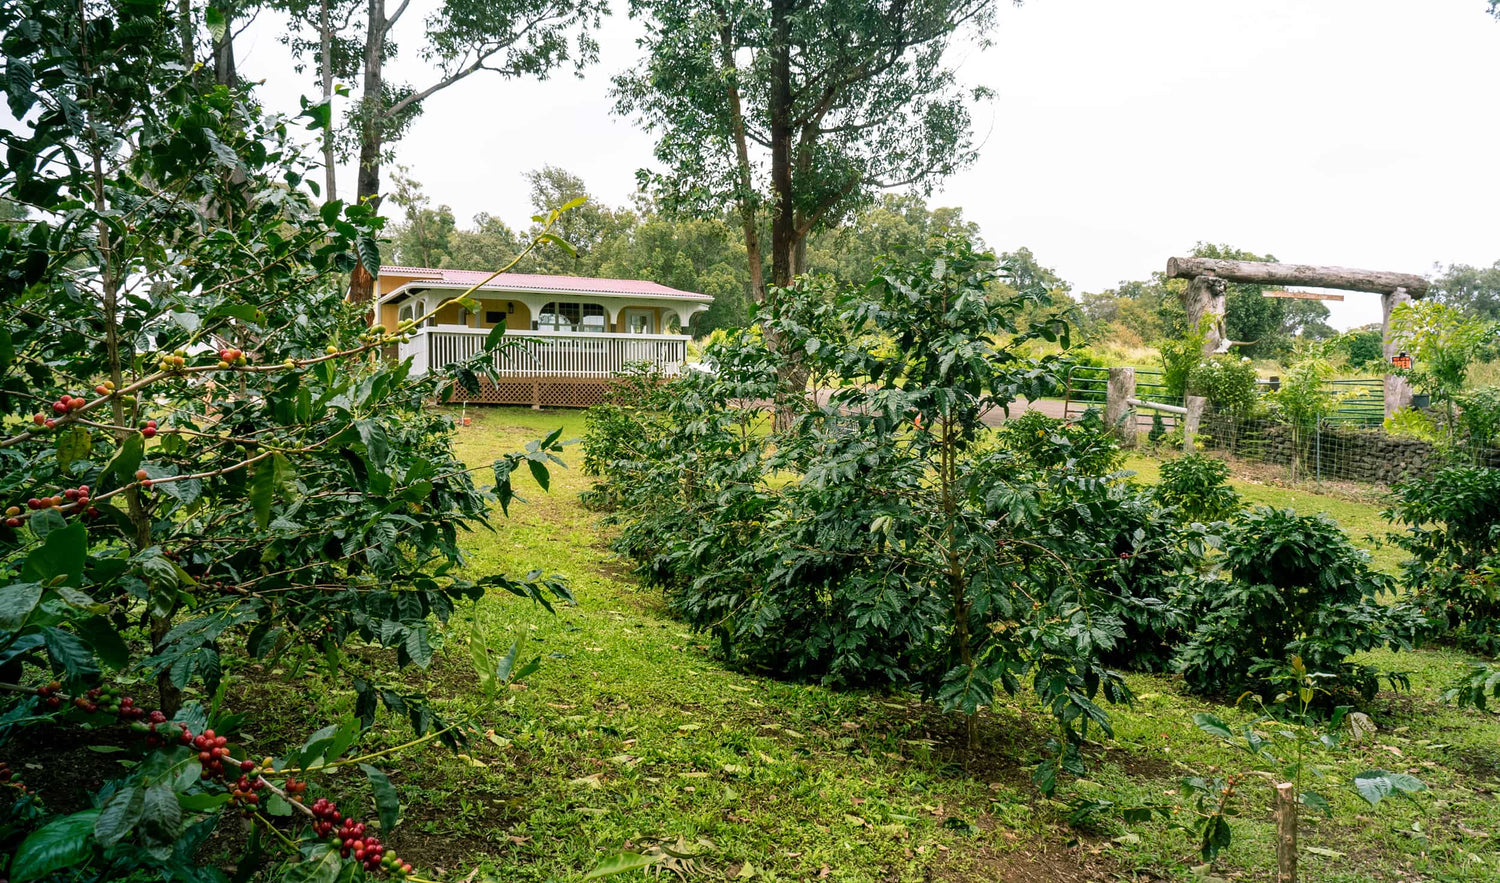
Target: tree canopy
802	108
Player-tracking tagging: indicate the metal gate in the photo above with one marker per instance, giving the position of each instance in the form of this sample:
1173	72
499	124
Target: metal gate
1088	387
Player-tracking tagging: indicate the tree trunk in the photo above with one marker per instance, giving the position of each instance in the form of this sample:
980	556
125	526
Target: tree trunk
1286	833
1268	273
325	58
361	283
783	218
225	72
742	159
185	32
1206	297
792	374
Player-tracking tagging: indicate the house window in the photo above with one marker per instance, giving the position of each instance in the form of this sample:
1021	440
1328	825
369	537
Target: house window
564	316
493	317
406	313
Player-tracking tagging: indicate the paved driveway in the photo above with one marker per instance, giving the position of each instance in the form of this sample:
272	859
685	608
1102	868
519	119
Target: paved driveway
1050	407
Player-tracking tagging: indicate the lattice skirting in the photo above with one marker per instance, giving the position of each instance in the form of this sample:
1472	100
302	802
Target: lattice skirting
541	392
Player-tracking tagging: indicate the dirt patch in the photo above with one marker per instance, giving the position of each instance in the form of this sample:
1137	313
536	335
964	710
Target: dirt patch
1028	864
58	764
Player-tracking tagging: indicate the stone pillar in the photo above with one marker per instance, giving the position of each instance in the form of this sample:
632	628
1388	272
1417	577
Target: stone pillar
1397	390
1116	409
1191	420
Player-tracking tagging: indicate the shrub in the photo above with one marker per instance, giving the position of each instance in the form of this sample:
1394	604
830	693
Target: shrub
1197	487
1044	442
619	431
877	539
1228	383
1361	348
206	464
1292	585
1179	356
1480	416
1450	526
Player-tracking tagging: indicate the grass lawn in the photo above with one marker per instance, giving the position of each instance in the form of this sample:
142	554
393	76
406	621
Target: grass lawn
632	735
1360	520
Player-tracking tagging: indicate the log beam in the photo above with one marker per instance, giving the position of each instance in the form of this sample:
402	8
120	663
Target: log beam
1267	273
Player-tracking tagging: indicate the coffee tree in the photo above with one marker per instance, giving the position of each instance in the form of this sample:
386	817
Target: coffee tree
205	460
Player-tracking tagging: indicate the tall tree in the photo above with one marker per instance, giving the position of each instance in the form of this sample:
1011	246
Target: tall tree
805	108
1474	289
336	56
509	38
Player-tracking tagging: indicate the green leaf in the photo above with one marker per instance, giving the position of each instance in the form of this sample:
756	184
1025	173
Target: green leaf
62	843
270	478
1211	725
483	666
506	665
108	646
127	459
387	803
17	600
323	869
496	337
1376	785
7	349
119	816
214	19
70	654
62	554
74	443
621	863
202	802
540	473
369	255
161	817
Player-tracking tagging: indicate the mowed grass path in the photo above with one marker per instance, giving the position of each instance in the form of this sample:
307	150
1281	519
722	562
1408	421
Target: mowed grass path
631	734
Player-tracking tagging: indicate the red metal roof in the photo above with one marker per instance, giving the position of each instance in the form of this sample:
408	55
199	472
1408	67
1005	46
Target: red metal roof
539	282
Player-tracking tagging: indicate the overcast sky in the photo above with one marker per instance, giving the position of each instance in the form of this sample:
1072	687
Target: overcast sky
1357	133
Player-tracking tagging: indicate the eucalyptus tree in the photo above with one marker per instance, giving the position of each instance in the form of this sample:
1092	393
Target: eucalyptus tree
800	108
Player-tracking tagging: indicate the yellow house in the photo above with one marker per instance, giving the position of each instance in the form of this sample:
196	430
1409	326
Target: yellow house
569	334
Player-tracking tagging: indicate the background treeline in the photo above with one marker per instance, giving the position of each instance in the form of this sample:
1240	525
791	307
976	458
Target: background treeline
643	240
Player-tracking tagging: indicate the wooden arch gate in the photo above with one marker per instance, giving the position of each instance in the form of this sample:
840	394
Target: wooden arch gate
1206	293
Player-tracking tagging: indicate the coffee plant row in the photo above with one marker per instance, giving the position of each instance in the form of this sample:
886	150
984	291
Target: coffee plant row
883	535
206	461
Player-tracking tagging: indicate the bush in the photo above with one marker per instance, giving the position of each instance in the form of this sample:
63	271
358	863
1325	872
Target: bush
1085	444
1228	383
1197	487
206	465
1292	585
1450	526
1361	348
1480	416
619	431
878	539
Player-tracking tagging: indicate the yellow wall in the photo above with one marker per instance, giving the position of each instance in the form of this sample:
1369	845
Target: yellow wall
388	316
520	320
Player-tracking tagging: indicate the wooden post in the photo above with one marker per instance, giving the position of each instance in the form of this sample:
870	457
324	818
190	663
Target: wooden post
1397	389
1191	420
1286	833
1206	297
1117	405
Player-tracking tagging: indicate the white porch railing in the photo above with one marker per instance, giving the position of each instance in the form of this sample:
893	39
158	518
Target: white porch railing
547	353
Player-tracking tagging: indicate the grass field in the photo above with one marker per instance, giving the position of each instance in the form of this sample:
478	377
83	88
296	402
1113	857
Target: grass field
631	735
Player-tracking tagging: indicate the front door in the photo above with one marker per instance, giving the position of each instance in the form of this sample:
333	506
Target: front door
640	322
